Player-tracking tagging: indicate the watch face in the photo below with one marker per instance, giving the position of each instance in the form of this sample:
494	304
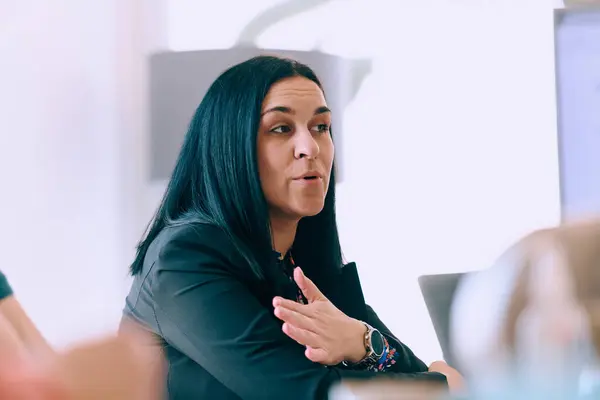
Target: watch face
377	343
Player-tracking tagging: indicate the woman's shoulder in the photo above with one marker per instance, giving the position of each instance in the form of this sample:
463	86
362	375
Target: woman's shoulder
189	245
202	233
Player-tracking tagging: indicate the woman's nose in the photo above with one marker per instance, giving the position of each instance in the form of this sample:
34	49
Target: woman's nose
306	145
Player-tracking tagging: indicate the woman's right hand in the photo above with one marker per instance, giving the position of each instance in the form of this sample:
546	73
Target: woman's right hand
456	382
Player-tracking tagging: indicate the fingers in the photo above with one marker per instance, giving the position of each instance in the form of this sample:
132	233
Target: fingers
292	305
437	365
318	355
302	336
296	319
311	341
309	289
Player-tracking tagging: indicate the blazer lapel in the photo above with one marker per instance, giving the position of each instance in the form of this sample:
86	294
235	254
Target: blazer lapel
343	289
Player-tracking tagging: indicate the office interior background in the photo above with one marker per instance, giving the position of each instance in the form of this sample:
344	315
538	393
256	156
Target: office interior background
450	149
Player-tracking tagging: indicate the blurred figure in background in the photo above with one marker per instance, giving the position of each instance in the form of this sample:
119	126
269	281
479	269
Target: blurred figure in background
532	322
114	368
18	334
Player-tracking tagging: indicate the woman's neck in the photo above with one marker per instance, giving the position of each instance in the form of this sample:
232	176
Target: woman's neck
283	232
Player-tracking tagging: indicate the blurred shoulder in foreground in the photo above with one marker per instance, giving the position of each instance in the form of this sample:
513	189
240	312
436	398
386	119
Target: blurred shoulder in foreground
113	368
534	317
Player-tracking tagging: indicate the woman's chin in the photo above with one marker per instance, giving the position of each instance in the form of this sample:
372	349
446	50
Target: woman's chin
310	209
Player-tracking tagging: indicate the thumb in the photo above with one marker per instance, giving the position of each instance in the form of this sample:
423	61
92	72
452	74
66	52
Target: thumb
309	289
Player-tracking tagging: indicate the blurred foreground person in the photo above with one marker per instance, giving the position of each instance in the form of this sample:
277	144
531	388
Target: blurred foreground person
531	324
110	369
25	337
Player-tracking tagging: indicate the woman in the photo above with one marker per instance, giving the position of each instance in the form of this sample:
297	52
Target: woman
218	277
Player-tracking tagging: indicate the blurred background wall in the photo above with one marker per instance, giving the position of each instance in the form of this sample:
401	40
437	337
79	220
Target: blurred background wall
72	157
450	149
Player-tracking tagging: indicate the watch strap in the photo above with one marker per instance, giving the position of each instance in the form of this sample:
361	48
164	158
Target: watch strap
371	358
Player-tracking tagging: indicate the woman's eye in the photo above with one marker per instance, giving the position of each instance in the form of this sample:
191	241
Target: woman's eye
282	129
322	128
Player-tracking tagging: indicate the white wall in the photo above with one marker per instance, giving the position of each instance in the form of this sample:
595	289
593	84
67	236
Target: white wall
455	140
68	167
450	146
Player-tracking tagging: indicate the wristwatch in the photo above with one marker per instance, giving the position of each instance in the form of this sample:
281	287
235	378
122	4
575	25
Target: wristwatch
374	345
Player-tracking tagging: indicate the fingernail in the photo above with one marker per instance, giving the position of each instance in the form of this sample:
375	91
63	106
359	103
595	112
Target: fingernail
276	301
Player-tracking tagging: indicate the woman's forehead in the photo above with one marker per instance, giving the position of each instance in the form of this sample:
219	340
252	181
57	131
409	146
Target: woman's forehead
294	92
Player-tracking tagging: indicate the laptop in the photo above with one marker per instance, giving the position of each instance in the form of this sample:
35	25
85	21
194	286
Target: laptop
438	293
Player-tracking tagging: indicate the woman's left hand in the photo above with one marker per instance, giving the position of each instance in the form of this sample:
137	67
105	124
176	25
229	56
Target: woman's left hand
330	336
456	382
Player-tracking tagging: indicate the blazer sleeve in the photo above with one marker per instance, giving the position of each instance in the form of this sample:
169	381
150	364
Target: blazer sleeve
408	362
207	312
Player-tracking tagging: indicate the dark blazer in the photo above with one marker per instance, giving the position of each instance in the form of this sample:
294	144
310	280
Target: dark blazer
215	323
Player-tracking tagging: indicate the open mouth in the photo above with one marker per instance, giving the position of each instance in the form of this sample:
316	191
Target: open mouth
310	178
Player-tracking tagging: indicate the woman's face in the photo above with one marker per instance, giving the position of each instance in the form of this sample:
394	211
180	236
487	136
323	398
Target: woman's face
295	149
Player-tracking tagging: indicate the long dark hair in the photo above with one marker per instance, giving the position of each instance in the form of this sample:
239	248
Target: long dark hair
216	179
